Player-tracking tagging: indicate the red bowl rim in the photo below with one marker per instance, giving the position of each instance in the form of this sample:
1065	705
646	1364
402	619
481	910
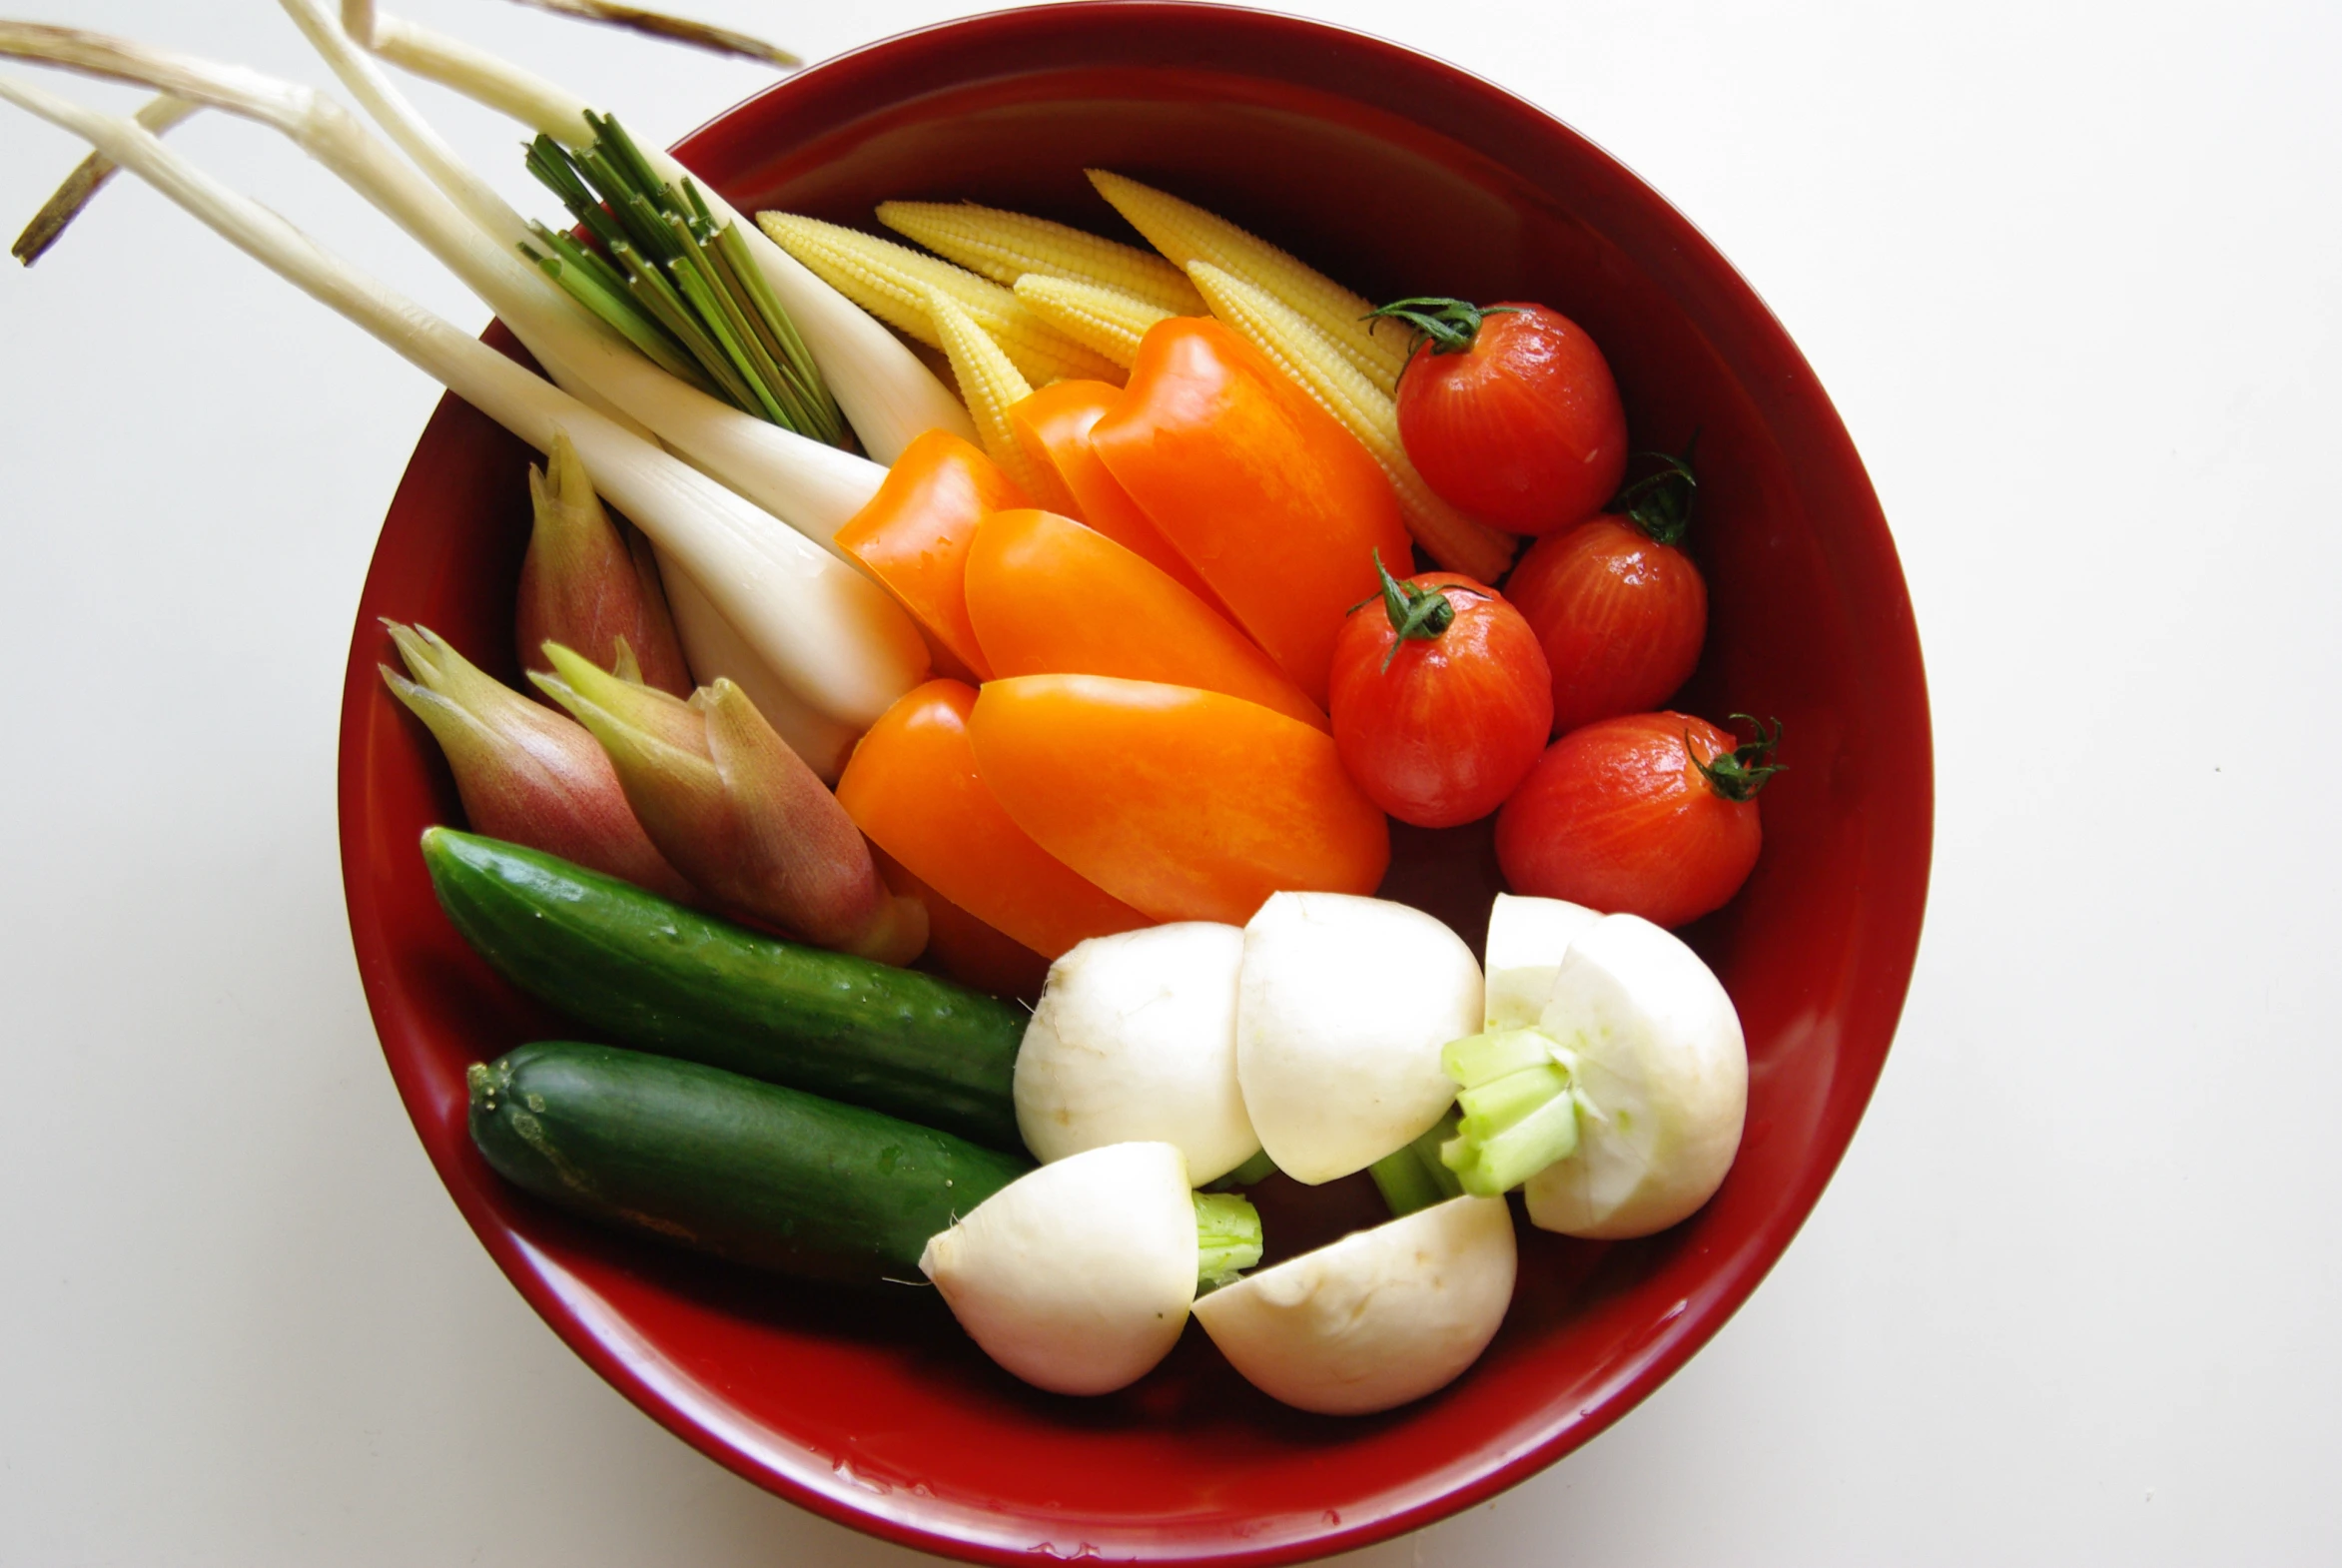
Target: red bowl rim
1475	111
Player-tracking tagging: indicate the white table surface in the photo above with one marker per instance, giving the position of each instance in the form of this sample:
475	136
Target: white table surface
2071	273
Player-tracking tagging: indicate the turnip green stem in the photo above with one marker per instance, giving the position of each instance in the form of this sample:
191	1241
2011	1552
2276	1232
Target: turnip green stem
1227	1237
1251	1172
1413	1176
1518	1108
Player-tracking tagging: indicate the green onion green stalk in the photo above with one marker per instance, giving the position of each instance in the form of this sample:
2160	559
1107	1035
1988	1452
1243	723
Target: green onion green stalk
675	283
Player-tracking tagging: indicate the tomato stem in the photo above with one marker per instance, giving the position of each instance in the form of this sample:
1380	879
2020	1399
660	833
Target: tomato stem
1448	326
1661	504
1738	774
1416	615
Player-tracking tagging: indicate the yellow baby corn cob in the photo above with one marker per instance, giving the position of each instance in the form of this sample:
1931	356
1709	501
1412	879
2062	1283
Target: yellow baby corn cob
1106	320
991	384
891	282
1005	246
1187	234
1454	541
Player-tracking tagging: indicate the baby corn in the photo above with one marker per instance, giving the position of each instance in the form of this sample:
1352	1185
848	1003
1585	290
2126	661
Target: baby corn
1007	247
1187	234
892	283
991	385
1454	541
1106	320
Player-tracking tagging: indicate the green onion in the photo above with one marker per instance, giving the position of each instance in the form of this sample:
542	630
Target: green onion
675	283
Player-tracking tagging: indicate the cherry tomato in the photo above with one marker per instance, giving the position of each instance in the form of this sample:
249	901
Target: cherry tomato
1650	814
1510	412
1440	698
1619	609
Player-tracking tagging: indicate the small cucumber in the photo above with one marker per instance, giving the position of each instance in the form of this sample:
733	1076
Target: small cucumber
648	972
751	1172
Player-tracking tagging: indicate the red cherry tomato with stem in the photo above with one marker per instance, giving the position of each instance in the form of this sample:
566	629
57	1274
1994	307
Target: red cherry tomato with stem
1510	412
1619	608
1440	698
1650	814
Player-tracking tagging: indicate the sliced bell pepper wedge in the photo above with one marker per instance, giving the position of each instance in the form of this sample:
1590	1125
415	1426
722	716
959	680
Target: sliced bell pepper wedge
1052	426
912	536
912	786
1270	500
1048	596
1187	804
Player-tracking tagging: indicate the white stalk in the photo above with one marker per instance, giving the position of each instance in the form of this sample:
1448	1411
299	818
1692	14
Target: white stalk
157	115
482	77
410	130
811	486
712	648
833	636
888	395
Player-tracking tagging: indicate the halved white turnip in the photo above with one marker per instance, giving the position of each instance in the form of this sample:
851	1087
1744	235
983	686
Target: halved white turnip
1526	939
1377	1318
1078	1276
1134	1039
1343	1005
1660	1076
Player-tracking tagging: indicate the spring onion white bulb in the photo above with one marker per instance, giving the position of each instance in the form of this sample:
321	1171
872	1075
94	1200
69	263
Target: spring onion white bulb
1381	1317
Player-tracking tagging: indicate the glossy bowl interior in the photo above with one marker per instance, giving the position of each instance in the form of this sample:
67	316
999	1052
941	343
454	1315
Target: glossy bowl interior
1401	176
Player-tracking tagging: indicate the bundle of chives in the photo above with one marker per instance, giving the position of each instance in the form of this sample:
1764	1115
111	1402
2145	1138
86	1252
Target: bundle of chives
674	283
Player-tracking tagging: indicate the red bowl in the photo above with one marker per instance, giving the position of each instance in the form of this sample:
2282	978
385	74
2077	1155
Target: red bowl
1403	176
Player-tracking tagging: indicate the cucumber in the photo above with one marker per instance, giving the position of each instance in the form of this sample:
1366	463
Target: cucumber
648	972
747	1171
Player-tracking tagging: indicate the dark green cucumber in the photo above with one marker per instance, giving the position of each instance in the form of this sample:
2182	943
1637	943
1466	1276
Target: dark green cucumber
648	972
747	1171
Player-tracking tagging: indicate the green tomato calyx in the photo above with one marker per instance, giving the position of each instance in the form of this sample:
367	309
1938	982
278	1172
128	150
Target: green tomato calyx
1447	326
1739	774
1660	503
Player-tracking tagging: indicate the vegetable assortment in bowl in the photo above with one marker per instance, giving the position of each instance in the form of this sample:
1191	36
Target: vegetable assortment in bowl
1400	178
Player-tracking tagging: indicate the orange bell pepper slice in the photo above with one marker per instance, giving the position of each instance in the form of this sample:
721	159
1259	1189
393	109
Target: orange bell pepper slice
1050	597
1187	804
912	786
1052	426
962	947
1266	495
912	536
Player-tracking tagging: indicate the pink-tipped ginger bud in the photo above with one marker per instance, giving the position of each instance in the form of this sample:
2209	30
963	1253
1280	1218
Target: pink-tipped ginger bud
525	772
590	583
739	813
